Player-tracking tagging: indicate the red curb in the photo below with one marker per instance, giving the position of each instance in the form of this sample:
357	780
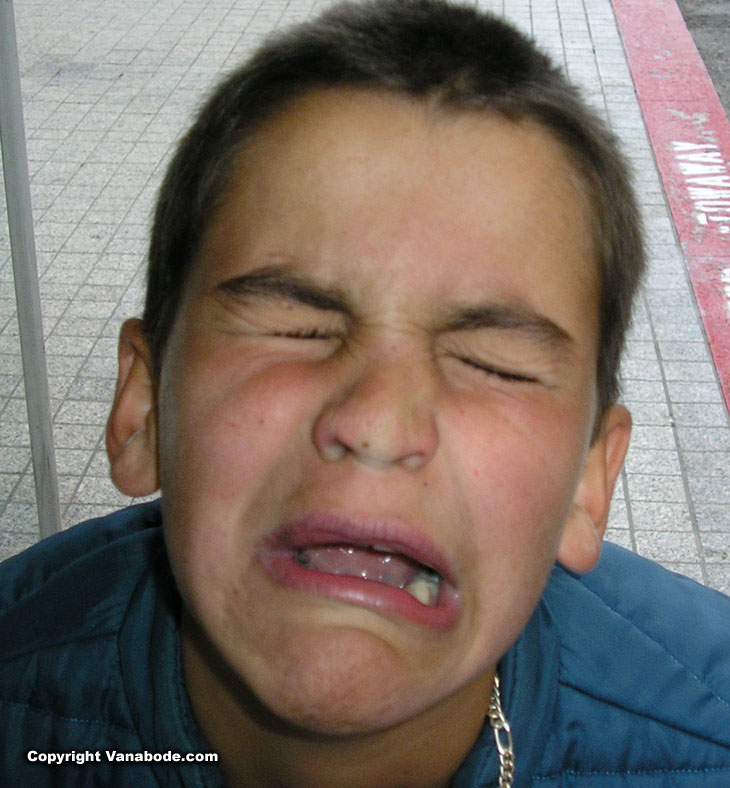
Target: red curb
690	134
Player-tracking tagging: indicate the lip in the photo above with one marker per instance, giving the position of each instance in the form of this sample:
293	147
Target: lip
277	556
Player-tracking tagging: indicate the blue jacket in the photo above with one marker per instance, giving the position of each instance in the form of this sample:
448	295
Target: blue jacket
620	679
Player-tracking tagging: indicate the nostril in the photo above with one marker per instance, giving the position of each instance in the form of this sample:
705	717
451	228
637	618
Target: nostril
333	452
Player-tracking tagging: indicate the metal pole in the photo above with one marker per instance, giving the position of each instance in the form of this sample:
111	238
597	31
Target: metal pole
25	271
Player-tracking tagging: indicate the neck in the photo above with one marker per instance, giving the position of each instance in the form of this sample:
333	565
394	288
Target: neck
259	750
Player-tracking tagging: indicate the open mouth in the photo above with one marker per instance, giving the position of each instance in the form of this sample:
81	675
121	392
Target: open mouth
385	567
375	563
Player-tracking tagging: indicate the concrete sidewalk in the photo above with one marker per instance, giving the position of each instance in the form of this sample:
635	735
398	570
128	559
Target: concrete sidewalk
109	84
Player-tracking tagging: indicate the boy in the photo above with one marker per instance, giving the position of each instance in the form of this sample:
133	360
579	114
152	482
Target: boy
390	273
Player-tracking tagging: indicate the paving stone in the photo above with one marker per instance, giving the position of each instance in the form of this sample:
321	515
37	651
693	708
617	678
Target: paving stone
18	525
710	489
644	390
648	436
656	487
660	516
76	436
13	541
82	412
692	570
667	546
700	414
24	493
8	483
708	463
712	517
640	369
99	490
657	461
78	513
649	413
716	547
695	371
621	537
695	392
676	350
718	577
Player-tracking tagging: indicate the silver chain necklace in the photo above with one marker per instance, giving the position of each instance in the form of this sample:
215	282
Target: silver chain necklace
502	737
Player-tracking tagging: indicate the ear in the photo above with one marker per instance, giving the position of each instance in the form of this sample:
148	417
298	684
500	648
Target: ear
580	545
131	431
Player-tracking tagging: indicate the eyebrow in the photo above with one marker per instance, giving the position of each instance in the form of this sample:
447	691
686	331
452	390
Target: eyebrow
515	318
273	282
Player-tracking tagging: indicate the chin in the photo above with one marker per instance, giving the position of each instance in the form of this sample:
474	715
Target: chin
344	684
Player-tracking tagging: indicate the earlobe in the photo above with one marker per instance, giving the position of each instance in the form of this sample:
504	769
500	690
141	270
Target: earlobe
580	546
131	431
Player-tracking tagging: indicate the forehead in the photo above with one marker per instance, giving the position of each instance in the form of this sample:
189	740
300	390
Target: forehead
344	180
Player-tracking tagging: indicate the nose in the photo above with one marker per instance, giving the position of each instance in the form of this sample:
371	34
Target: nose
382	416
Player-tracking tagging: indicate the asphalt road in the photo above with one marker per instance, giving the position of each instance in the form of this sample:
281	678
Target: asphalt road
709	23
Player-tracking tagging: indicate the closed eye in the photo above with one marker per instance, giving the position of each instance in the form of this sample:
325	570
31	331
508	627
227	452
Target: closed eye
503	374
311	333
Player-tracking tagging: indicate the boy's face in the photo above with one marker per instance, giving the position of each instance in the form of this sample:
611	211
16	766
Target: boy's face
389	339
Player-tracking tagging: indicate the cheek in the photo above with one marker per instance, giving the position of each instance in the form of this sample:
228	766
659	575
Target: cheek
515	487
233	448
522	472
222	433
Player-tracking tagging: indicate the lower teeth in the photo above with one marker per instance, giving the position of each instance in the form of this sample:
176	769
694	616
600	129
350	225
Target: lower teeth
425	588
